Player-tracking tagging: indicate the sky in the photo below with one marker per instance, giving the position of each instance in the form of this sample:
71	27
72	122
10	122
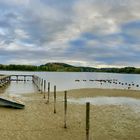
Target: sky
97	33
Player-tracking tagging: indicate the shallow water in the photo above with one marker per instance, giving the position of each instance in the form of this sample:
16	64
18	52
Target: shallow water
126	101
19	88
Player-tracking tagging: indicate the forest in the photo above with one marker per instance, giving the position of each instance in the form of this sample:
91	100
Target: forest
62	67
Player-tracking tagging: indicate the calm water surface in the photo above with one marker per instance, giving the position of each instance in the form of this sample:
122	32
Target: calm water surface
66	80
134	104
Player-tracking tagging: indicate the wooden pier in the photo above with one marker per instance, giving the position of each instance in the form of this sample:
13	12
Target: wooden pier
38	82
5	80
21	77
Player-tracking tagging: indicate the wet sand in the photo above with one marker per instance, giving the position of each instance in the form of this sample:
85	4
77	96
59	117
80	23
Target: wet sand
38	122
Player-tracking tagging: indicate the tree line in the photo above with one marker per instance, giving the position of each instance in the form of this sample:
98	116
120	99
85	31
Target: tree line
62	67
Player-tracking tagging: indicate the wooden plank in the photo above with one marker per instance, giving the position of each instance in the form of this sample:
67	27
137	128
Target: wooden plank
10	102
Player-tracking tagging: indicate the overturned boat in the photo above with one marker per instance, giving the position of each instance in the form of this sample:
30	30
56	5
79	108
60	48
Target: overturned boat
11	102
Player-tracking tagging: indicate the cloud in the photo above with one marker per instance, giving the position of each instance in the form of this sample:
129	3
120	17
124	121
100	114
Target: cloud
82	32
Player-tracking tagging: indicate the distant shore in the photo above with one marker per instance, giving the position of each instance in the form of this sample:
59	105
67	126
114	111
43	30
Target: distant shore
63	67
38	122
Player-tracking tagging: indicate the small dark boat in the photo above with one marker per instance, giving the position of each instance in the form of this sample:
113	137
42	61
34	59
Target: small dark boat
11	102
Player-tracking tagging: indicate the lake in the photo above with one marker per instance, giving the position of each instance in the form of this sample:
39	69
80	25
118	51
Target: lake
75	80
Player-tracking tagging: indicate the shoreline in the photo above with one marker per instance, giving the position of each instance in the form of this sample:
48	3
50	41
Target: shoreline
94	92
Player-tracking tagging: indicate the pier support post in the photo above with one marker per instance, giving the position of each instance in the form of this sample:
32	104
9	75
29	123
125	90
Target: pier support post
24	78
17	78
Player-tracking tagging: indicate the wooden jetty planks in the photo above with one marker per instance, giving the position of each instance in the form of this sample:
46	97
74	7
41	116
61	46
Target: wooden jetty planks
11	102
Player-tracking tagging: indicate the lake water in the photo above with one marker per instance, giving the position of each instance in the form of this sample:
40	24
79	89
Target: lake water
134	104
75	80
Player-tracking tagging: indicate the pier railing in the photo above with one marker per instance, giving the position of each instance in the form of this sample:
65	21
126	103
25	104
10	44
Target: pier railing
4	80
37	81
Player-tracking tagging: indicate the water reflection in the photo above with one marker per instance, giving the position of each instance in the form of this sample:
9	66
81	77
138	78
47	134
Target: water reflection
76	80
3	89
106	101
131	102
17	88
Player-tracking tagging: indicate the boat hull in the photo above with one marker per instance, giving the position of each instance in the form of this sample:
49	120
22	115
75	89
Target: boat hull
10	103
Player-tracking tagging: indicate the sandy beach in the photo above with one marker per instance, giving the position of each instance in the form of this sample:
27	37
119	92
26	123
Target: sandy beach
38	121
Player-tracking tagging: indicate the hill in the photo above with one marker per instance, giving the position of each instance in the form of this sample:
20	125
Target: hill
65	67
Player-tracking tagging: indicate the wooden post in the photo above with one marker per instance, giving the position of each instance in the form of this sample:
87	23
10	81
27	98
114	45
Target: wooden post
17	78
9	79
54	99
65	109
24	78
38	83
33	78
44	88
87	120
41	85
48	92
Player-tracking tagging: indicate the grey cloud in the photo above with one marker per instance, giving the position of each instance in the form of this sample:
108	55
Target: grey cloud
43	31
